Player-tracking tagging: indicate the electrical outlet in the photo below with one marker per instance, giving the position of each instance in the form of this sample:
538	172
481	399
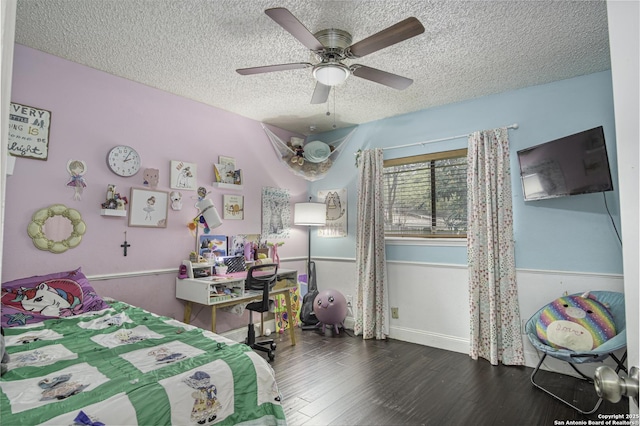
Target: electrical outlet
394	313
349	300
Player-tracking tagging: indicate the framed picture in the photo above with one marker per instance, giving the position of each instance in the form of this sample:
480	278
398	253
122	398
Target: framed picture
233	207
336	201
148	208
276	213
29	132
183	175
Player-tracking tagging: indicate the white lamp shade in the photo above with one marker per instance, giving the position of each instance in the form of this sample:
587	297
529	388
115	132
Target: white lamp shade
310	214
209	212
331	74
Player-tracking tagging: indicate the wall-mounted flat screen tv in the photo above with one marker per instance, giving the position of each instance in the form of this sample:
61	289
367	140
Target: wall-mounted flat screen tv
575	164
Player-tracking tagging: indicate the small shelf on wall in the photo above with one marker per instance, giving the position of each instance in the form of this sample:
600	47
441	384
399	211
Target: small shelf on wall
113	212
222	185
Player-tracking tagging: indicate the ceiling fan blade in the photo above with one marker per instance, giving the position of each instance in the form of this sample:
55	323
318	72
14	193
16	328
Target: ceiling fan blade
271	68
290	23
320	93
401	31
378	76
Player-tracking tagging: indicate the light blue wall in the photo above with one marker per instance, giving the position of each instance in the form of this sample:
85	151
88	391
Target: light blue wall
564	234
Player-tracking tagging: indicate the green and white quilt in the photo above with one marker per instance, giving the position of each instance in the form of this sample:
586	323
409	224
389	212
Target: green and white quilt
127	366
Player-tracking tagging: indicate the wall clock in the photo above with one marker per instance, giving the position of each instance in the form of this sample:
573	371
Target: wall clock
123	160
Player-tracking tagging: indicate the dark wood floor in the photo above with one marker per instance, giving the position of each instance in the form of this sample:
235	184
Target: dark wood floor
345	380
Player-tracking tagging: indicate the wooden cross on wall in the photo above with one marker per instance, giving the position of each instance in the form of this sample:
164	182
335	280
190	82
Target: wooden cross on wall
125	244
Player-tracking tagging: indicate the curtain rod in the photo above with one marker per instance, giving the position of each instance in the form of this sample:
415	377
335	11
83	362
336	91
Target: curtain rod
511	126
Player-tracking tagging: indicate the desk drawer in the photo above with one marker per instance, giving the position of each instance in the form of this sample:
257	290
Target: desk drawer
193	291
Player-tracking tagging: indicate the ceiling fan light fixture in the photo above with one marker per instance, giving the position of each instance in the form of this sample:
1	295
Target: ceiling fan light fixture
331	73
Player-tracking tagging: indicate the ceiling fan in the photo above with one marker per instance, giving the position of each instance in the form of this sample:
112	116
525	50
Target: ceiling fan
332	46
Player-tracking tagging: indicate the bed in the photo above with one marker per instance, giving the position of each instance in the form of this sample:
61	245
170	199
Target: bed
76	358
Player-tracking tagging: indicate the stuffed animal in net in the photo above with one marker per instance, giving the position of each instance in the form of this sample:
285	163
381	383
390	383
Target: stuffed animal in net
578	322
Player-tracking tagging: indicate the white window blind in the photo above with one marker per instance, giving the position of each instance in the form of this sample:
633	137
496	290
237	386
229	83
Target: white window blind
426	195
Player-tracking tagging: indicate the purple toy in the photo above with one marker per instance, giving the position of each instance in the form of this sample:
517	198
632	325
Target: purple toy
330	307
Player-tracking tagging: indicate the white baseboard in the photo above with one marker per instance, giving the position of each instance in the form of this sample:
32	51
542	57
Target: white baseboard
421	337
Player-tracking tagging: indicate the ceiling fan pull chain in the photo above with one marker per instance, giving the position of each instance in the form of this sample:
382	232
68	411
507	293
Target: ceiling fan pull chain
334	107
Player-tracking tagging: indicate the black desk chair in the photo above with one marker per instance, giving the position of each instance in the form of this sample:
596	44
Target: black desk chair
263	282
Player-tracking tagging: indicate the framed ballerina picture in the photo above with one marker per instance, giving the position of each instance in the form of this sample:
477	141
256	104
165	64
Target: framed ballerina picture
148	208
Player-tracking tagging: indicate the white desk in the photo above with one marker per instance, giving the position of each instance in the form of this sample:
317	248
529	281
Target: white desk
199	290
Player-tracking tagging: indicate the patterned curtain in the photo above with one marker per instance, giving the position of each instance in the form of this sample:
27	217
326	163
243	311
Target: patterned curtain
372	296
493	294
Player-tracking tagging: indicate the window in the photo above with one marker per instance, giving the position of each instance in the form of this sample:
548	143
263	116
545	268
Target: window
426	195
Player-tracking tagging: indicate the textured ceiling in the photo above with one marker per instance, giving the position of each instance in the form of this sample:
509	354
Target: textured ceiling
193	47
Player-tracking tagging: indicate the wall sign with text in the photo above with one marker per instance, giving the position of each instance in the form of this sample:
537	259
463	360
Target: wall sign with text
29	131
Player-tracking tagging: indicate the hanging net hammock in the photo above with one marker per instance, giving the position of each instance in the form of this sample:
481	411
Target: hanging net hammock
311	160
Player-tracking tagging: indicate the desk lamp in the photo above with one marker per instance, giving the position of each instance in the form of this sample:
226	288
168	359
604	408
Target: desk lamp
310	214
208	213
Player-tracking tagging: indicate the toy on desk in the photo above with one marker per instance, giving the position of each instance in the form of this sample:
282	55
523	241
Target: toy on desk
182	272
274	251
248	251
263	260
330	307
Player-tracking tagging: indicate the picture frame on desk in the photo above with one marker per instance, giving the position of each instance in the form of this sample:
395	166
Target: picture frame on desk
210	243
238	243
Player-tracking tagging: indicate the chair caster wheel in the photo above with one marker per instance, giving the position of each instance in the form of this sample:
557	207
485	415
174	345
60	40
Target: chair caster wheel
271	355
273	346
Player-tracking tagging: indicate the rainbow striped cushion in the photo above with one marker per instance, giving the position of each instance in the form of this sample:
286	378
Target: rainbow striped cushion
579	323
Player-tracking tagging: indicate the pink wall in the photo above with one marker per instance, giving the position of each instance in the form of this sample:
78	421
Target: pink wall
93	111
